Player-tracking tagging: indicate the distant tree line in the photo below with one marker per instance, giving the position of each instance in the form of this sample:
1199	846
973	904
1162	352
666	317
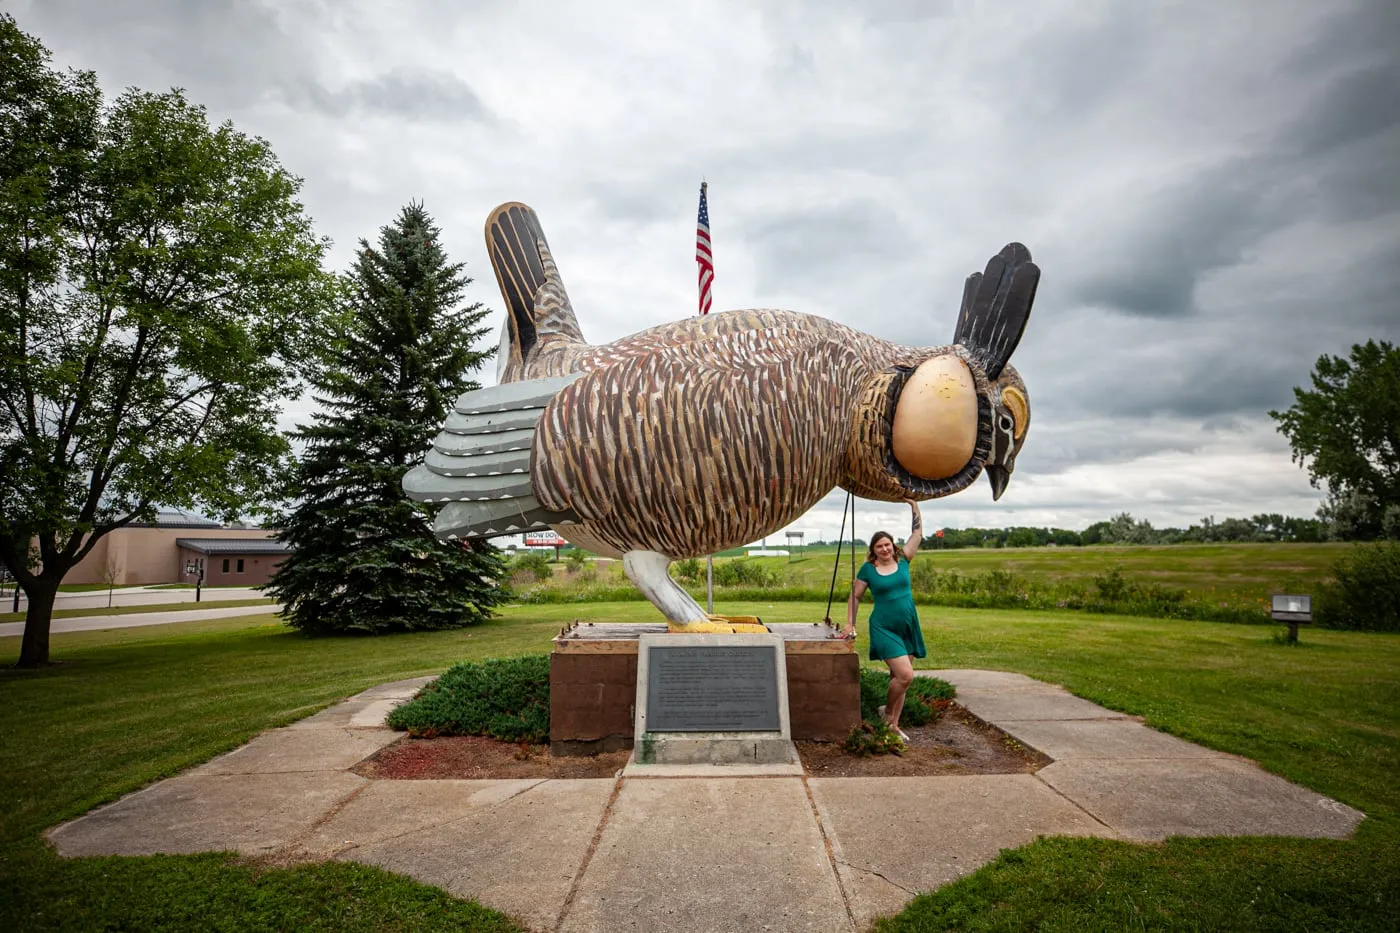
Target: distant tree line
1124	529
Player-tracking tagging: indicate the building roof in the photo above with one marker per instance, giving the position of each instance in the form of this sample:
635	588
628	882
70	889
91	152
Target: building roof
235	545
174	518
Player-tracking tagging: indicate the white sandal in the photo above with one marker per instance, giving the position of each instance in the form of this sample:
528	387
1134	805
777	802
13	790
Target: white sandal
902	734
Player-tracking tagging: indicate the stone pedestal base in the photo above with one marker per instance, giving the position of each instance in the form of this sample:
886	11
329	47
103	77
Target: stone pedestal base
593	685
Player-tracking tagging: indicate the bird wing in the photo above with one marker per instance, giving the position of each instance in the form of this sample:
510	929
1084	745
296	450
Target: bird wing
996	306
480	463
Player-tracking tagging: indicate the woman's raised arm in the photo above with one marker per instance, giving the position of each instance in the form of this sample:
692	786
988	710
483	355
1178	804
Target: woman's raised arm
916	532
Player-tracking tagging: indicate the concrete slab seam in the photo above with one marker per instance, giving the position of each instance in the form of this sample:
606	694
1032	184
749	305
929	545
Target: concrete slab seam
588	854
830	853
290	848
444	825
1076	804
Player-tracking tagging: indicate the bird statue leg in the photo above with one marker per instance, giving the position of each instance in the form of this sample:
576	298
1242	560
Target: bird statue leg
648	572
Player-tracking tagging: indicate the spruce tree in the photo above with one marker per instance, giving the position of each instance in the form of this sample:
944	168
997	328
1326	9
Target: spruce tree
364	557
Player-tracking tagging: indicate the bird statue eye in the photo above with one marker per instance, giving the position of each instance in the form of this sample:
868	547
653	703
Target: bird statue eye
1006	423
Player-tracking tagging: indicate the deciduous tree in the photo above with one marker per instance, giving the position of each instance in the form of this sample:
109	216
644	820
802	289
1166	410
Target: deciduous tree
158	279
1345	431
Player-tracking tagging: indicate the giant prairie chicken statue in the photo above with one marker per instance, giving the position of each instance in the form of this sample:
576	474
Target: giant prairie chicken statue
711	432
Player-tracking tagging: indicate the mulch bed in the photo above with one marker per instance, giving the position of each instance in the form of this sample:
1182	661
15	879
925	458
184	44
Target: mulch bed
956	743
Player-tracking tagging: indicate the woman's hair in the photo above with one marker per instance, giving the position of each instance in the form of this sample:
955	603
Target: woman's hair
874	540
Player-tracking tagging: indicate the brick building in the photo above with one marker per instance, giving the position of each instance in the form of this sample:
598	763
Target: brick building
233	561
156	553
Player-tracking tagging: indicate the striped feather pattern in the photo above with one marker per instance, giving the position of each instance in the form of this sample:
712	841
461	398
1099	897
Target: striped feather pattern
707	433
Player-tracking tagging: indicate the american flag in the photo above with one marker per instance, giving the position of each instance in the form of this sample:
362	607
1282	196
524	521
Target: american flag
703	258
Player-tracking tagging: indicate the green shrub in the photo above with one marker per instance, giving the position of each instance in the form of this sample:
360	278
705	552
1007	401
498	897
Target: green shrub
534	563
918	702
1366	594
873	738
687	570
744	573
505	699
1111	586
578	559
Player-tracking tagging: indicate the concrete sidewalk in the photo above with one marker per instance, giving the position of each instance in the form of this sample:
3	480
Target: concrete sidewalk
136	596
709	852
135	619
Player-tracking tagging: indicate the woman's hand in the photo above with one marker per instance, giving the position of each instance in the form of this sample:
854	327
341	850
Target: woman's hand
849	632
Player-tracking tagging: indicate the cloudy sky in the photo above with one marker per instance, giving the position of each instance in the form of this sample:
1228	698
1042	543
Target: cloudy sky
1211	189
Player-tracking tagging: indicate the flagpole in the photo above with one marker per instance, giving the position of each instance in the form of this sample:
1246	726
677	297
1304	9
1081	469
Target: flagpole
704	258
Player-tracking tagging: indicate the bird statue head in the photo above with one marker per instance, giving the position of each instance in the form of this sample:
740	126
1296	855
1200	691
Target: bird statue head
928	425
995	308
1011	416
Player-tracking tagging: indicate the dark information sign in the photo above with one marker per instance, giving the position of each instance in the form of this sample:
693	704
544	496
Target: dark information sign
703	688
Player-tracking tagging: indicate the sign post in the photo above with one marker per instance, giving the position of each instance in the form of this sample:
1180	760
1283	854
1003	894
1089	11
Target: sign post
195	568
1293	610
545	539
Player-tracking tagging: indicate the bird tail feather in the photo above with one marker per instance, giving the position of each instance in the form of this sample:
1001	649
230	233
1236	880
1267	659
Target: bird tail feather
996	306
538	311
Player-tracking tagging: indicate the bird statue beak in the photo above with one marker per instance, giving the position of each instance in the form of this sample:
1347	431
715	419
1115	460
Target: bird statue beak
1000	478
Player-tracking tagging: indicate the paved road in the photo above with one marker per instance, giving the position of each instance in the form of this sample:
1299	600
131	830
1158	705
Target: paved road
134	596
132	620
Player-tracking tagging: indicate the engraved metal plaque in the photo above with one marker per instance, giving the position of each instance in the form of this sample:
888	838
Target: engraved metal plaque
695	688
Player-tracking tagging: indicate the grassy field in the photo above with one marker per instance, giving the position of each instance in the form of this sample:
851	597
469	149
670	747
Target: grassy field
123	708
1245	571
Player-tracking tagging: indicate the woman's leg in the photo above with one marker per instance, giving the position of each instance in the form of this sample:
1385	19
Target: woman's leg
901	675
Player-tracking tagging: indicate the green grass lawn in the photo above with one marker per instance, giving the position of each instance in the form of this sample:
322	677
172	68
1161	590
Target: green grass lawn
126	707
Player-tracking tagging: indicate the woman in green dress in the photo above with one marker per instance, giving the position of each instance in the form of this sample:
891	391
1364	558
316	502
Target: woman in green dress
895	636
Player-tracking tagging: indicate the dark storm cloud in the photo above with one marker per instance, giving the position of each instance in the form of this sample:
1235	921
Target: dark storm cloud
827	241
1149	259
412	94
224	51
1069	69
1334	161
237	53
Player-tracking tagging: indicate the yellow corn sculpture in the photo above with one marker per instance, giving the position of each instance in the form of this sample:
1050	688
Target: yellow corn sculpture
711	432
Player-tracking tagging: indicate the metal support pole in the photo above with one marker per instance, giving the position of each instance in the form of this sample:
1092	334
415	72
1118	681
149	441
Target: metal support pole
710	584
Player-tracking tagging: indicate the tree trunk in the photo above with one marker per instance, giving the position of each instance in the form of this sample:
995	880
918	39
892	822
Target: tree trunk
34	651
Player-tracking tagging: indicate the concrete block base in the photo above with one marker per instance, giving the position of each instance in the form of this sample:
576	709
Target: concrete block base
714	748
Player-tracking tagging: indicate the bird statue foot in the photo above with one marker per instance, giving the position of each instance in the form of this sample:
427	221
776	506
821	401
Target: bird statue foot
742	624
699	627
647	570
716	624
